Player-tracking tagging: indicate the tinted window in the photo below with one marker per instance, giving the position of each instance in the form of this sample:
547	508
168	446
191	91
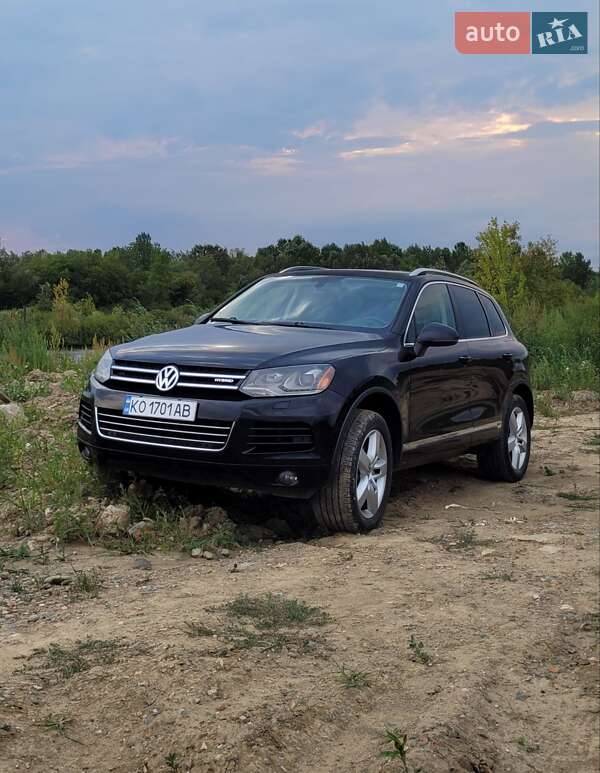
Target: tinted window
473	322
434	305
494	318
339	301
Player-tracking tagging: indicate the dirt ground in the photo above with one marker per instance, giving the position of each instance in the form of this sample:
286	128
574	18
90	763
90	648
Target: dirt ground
498	582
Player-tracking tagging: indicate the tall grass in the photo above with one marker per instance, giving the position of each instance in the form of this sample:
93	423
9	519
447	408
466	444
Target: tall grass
564	344
24	345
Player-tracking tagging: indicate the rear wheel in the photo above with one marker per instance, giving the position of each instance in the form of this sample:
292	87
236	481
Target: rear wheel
356	496
507	458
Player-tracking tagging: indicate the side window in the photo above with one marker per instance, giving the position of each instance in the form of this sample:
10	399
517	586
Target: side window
495	320
434	305
473	322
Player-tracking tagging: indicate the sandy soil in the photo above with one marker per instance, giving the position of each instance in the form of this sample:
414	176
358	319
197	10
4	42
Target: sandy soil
499	583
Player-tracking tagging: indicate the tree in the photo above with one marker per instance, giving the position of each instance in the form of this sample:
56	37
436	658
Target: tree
498	264
575	268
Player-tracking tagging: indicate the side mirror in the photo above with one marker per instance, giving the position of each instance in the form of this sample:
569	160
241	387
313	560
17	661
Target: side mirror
435	334
202	318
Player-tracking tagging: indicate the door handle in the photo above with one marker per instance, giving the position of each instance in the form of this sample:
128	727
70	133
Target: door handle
507	356
465	358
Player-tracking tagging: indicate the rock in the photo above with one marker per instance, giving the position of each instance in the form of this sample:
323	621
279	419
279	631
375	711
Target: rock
279	527
142	563
584	396
12	412
58	579
139	529
208	555
487	552
114	519
36	375
566	608
543	539
196	553
215	516
224	552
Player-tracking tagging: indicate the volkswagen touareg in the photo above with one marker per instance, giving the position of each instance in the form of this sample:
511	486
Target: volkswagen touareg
319	384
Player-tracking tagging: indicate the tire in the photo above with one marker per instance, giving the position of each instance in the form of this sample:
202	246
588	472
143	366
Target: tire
507	458
336	506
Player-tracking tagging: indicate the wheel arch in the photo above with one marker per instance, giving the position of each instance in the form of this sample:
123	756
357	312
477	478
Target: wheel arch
524	391
379	399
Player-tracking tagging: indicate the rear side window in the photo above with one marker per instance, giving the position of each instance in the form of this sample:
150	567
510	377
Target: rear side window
434	305
493	316
473	322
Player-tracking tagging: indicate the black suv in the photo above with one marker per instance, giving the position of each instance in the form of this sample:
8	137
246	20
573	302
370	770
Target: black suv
319	383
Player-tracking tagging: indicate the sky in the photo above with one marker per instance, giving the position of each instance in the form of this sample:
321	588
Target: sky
222	121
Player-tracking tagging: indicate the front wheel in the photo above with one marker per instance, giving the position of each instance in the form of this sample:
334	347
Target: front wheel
507	458
356	496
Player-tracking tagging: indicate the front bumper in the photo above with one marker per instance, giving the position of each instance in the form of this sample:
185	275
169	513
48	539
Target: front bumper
238	464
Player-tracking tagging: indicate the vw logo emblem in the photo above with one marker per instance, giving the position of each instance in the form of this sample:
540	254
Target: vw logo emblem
167	378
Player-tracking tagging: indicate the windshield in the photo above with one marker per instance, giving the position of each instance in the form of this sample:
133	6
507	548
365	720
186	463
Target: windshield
322	301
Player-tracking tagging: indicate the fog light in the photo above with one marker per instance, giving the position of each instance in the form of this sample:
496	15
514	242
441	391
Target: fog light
85	452
288	478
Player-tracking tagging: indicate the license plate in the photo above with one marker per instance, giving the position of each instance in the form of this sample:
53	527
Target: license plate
160	408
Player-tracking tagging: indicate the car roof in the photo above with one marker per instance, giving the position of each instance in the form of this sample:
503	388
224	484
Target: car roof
418	273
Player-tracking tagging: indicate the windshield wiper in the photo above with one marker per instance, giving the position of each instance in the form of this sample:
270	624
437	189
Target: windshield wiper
232	320
296	323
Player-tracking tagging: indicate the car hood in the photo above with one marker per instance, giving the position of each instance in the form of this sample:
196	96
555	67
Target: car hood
247	346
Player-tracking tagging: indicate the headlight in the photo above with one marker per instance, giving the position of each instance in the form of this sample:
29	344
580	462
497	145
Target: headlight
102	372
283	382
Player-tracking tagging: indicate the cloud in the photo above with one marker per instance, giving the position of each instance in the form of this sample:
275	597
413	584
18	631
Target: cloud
429	129
315	130
389	150
102	150
282	162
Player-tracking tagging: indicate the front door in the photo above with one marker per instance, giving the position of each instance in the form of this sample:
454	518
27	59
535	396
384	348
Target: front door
440	390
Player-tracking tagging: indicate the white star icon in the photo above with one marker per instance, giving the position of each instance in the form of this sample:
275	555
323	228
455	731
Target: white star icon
557	22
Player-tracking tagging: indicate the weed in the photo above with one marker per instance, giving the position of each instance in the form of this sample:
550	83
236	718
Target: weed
548	471
504	576
419	653
58	723
462	539
16	587
85	584
272	612
65	662
543	405
574	496
352	679
196	630
16	554
399	750
172	761
527	746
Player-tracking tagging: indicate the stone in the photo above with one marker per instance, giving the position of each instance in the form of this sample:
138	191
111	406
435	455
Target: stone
114	519
543	539
208	555
566	608
584	396
142	563
12	412
37	375
139	529
58	579
215	516
224	552
196	553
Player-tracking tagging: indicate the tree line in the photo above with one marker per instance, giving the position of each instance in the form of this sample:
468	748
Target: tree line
143	273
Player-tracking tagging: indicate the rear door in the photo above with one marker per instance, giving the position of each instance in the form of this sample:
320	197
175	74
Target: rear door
490	366
440	388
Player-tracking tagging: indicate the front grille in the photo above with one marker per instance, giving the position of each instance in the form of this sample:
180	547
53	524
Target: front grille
269	438
202	435
194	380
85	416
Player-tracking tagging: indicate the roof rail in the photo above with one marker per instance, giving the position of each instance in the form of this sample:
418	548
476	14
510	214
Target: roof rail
421	271
293	269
